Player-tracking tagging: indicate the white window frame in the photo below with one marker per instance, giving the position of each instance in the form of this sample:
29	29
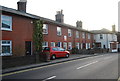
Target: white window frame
69	45
45	27
101	36
10	44
83	34
77	45
10	20
60	44
65	45
45	44
59	31
69	32
77	34
53	44
89	36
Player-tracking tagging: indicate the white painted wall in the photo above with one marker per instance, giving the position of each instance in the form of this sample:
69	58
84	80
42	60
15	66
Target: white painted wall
107	38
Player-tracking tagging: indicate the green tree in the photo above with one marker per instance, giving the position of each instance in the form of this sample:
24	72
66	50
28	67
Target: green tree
38	36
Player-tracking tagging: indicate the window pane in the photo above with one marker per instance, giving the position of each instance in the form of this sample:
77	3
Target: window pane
59	32
5	49
54	49
6	22
52	44
45	29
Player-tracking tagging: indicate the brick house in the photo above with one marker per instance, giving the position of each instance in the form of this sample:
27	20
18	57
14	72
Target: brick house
17	32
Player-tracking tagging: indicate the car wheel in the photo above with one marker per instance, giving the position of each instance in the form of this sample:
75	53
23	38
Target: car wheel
67	55
53	57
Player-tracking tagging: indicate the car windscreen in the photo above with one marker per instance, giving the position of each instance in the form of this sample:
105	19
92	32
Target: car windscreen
55	49
46	49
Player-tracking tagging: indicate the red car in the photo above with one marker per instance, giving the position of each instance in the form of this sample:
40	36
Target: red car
56	52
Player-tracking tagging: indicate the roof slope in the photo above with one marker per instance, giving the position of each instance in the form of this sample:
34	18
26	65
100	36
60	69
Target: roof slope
103	31
14	11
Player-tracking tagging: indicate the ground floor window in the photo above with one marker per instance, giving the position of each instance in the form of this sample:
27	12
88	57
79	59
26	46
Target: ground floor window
83	46
77	45
6	48
65	45
45	44
59	44
52	44
87	45
69	45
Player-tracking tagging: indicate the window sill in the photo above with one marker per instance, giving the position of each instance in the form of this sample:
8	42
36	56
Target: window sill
6	55
6	29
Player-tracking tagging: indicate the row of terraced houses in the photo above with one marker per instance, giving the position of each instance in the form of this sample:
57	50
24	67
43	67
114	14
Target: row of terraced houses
17	32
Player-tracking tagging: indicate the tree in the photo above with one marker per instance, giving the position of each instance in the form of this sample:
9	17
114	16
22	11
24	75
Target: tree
38	36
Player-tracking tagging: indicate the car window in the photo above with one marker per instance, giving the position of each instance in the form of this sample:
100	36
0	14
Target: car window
46	49
54	49
61	49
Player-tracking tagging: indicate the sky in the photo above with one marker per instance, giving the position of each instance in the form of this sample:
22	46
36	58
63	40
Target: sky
95	14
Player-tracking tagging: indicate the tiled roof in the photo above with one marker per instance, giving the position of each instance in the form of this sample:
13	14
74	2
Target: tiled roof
103	31
14	11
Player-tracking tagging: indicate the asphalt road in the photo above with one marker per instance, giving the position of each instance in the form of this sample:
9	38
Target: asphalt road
97	67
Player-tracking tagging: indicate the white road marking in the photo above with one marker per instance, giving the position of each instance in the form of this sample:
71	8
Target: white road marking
21	71
87	65
49	78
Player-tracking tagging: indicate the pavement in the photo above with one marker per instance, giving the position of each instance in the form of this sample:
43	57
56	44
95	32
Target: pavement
59	60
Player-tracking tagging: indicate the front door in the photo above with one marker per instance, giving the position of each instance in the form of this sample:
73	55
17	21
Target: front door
28	47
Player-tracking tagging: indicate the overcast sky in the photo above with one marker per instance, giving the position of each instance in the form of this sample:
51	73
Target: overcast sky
95	14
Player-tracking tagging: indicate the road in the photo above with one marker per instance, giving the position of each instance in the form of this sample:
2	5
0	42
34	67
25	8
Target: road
97	67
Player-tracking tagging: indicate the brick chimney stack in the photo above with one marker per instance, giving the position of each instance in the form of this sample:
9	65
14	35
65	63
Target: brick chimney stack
22	5
113	28
79	24
59	16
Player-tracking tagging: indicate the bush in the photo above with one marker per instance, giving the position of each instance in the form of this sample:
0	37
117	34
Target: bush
75	51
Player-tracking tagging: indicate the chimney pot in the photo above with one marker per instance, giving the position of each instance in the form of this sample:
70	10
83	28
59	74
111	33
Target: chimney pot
79	24
113	28
22	5
59	16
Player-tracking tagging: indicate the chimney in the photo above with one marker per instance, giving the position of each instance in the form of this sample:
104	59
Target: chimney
79	24
113	28
22	5
59	16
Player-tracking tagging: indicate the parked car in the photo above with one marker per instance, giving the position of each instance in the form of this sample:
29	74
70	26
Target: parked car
56	52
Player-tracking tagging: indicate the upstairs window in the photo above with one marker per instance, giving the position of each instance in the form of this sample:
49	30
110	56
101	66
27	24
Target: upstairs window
45	29
59	31
101	36
6	23
69	33
89	36
77	34
83	35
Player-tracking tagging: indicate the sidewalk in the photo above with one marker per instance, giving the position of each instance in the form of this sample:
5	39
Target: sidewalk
59	60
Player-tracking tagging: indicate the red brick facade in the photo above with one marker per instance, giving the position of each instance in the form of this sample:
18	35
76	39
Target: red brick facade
22	31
